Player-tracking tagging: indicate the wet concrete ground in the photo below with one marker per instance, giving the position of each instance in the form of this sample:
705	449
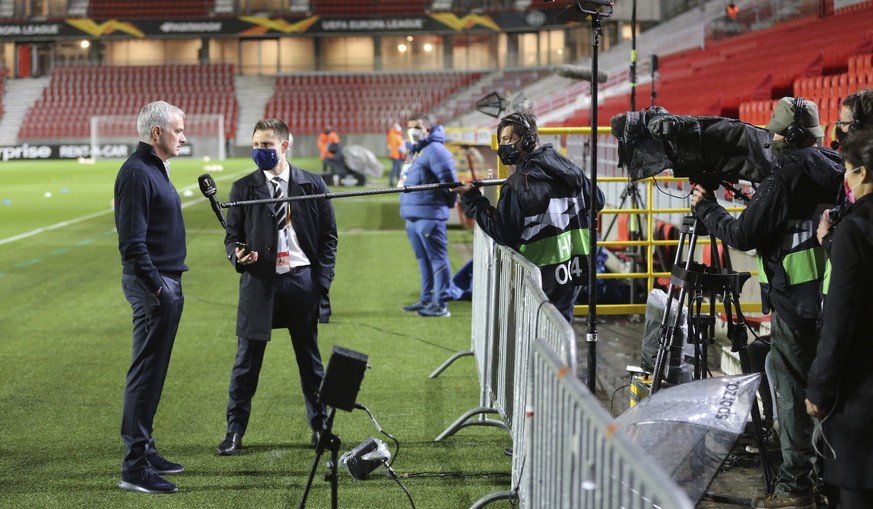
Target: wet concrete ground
619	345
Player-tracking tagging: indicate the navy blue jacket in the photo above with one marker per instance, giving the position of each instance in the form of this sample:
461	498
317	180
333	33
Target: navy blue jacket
432	163
148	217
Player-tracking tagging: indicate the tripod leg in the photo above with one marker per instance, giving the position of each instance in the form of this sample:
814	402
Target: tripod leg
739	342
311	477
333	476
326	440
760	439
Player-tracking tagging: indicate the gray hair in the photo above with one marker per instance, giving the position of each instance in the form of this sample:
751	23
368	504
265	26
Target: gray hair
158	113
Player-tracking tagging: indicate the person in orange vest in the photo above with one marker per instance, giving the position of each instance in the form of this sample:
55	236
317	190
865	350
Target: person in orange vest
732	11
327	136
396	152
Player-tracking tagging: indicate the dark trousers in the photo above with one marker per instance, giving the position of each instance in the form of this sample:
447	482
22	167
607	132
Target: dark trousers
296	295
791	354
855	499
155	322
565	300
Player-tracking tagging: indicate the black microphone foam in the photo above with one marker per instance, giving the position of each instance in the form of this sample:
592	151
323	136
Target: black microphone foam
207	187
579	73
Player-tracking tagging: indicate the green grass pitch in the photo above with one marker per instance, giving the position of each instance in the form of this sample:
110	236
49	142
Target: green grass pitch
65	337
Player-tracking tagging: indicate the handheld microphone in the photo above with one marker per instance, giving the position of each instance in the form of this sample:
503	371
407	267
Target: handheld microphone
579	73
207	187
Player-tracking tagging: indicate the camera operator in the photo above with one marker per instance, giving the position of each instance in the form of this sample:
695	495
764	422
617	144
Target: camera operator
542	212
780	224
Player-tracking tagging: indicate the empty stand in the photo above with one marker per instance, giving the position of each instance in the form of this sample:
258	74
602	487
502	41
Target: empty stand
75	94
508	82
359	103
742	76
151	9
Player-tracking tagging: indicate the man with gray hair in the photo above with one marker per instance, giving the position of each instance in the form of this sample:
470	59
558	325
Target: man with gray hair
151	239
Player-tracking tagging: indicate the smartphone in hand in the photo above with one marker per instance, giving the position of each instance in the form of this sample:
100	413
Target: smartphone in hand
243	246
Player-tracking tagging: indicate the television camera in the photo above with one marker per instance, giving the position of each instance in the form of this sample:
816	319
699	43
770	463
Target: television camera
706	150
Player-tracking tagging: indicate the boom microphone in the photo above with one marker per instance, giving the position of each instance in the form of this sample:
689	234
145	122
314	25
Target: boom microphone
207	187
577	72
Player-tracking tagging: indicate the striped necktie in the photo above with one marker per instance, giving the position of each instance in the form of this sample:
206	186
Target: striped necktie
281	208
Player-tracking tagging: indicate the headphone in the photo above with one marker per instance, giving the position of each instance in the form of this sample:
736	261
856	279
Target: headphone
528	139
795	134
857	114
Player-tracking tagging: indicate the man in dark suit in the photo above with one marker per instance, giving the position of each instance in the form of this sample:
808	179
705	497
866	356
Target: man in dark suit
151	239
285	253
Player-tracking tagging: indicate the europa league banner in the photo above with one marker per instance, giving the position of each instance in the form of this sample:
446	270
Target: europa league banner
254	26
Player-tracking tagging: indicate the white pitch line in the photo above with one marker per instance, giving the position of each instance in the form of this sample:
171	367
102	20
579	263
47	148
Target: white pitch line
63	224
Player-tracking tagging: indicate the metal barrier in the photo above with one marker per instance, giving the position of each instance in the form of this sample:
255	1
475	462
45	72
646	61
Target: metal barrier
509	311
574	455
481	336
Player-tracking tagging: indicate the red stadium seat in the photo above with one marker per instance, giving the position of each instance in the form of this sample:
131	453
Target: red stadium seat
76	93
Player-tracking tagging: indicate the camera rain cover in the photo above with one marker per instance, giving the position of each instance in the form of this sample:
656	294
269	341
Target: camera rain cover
700	148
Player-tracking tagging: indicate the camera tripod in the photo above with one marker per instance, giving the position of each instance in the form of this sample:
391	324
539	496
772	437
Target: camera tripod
326	440
637	206
695	281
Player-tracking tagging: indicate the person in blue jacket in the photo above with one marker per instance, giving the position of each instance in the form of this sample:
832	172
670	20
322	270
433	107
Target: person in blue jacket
426	213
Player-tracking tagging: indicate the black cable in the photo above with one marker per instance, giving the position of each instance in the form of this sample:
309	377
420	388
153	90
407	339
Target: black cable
668	194
397	450
393	475
612	400
455	474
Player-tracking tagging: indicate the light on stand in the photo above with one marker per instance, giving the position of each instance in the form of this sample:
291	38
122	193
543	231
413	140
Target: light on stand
339	389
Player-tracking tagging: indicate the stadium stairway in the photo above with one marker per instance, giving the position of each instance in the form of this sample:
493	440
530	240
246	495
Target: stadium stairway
253	92
20	95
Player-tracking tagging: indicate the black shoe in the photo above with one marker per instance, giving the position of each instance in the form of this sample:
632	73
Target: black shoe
313	440
412	308
146	481
231	445
162	466
435	310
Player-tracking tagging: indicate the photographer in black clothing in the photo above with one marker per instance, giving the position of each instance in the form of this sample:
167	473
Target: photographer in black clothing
780	224
542	212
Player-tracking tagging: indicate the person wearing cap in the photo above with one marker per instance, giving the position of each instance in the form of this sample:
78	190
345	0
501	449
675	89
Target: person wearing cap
780	224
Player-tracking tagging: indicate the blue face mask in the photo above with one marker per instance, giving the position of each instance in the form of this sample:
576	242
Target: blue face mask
265	158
